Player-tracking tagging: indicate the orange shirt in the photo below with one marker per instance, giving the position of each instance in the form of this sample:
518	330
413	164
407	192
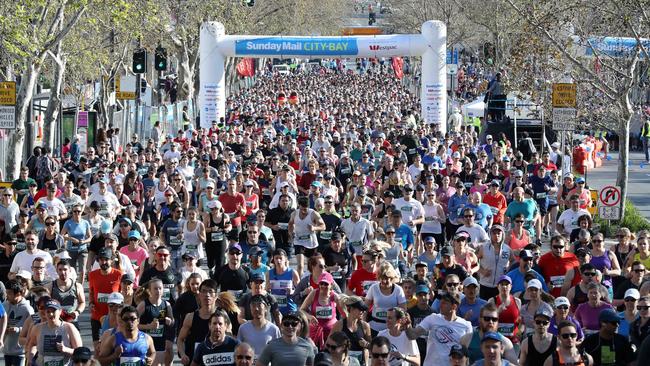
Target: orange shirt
101	286
498	204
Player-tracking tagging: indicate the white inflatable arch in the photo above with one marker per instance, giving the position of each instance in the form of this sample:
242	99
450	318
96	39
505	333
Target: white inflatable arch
215	46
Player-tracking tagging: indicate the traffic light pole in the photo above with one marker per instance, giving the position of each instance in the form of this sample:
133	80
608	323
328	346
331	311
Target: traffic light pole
160	88
137	104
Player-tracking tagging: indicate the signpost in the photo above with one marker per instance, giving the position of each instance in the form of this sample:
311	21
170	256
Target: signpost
125	87
564	106
609	203
8	105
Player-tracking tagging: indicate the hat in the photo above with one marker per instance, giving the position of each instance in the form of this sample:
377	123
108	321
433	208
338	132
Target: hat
608	315
24	274
456	155
495	183
251	219
115	298
235	246
323	359
259	299
526	254
580	180
127	220
205	157
488	137
214	204
105	253
568	175
255	250
544	310
127	277
53	304
134	234
505	158
390	229
446	251
420	289
292	314
505	278
316	184
560	301
81	354
249	183
491	336
326	277
188	255
111	237
408	187
459	350
461	234
469	281
555	145
633	293
284	184
336	236
429	240
534	283
497	227
41	204
396	213
582	251
389	194
518	173
257	276
421	264
63	255
209	185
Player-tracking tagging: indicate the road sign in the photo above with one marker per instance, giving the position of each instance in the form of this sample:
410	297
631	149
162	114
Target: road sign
125	87
564	95
610	196
8	93
609	213
8	117
452	69
452	56
564	119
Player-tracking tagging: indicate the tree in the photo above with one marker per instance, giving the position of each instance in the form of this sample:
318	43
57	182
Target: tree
570	27
34	31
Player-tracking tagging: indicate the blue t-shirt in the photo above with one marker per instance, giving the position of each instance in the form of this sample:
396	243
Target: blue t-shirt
77	230
518	280
528	208
476	310
624	325
404	234
456	203
482	213
540	193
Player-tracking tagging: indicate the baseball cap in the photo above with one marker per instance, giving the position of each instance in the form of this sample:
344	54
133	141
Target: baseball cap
491	336
257	276
461	234
544	310
534	283
336	236
408	187
81	354
127	277
325	277
134	234
518	173
115	298
209	185
259	299
495	183
214	204
111	237
429	240
469	281
24	274
608	315
562	301
323	359
292	314
633	293
53	304
580	180
446	251
105	253
235	246
422	289
421	264
526	254
497	227
458	350
127	220
505	278
255	250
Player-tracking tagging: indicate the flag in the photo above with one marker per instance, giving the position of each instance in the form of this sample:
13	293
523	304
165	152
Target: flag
398	64
246	67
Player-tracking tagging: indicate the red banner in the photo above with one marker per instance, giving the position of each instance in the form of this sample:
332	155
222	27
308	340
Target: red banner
398	64
246	67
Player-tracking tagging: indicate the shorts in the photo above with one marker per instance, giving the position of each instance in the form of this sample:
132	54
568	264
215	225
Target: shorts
95	327
307	252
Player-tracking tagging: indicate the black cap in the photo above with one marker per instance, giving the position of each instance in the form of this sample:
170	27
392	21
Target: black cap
459	350
389	194
292	314
81	354
105	253
261	299
447	251
323	359
336	236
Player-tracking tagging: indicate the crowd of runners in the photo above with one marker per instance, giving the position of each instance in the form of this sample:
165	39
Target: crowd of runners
322	222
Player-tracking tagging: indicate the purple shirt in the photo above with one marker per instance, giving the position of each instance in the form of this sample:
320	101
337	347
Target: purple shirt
588	315
552	328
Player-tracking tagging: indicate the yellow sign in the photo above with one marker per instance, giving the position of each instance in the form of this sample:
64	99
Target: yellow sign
564	95
122	94
8	93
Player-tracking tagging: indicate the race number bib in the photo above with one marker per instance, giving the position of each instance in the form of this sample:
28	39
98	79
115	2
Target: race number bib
158	332
283	225
324	312
507	329
540	196
326	235
281	299
53	361
557	281
130	361
216	236
379	314
102	298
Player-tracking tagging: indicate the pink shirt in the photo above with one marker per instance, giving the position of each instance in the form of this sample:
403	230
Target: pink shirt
137	258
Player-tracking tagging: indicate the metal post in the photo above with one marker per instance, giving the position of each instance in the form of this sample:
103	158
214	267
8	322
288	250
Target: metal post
514	110
541	149
137	101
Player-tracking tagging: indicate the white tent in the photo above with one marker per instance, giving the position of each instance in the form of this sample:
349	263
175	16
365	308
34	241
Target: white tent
474	109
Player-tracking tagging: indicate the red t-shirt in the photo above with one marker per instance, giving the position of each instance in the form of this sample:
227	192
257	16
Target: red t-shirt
497	203
555	268
360	281
230	204
101	286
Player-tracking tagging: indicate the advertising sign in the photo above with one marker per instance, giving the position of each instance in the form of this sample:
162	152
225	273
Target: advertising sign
323	46
432	98
564	95
8	93
8	117
564	119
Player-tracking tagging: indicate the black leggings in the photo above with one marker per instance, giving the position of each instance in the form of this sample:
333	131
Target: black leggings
215	253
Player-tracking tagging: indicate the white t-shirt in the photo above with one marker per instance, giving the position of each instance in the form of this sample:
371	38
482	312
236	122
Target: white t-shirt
54	207
569	219
477	235
402	345
23	261
442	335
125	265
381	303
411	209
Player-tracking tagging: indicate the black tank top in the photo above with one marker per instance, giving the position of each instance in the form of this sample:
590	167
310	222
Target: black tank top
579	297
150	313
536	358
220	225
354	337
199	331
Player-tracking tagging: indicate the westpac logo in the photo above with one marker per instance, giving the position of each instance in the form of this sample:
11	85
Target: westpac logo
215	359
377	47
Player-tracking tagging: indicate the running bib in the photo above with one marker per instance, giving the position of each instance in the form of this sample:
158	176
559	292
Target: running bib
507	329
379	314
345	171
217	236
102	298
407	208
430	219
323	312
191	246
225	358
53	361
281	299
337	275
130	361
326	235
158	332
175	242
557	281
494	210
167	292
355	243
20	246
366	285
540	196
283	225
412	151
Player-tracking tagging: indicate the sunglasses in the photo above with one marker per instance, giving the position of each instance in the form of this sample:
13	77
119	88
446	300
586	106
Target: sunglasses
129	319
542	322
380	355
76	211
490	319
161	255
290	323
563	307
50	223
519	221
234	253
332	346
569	335
558	246
589	274
7	195
453	284
630	299
639	270
642	307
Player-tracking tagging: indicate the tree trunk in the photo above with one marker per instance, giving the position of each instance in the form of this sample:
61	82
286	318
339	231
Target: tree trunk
624	149
185	75
23	101
54	102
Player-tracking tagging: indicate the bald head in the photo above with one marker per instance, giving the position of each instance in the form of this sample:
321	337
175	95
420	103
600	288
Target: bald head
244	354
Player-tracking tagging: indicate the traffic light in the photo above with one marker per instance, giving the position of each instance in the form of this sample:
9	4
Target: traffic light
160	59
143	85
140	61
249	2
